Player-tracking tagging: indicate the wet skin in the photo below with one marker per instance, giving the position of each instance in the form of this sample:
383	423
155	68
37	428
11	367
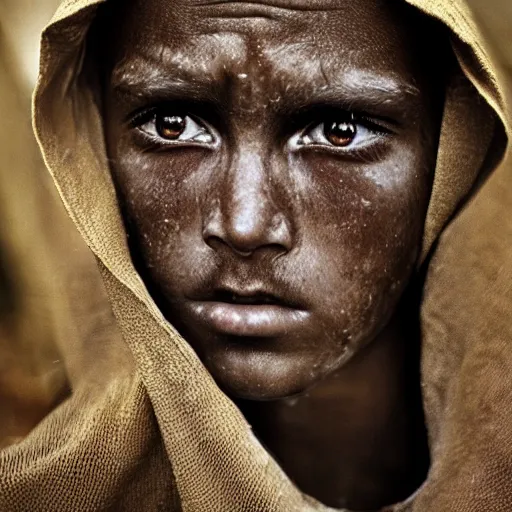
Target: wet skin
274	163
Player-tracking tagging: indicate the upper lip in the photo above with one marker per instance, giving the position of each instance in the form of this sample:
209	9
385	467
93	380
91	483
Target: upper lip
256	296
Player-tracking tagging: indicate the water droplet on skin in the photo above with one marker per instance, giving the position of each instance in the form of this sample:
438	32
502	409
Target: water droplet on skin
365	202
242	75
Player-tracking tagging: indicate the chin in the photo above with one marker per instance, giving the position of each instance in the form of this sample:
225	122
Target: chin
253	390
261	376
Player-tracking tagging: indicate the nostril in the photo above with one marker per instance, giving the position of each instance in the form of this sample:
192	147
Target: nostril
245	230
245	254
239	245
213	241
217	242
245	238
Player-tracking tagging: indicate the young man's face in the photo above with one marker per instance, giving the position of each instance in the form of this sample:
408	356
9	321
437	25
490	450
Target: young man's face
274	162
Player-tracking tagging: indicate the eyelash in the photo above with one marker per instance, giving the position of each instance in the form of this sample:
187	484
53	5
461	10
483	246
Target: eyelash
380	129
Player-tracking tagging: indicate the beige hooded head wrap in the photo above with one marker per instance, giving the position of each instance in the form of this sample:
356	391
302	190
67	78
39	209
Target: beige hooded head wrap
146	427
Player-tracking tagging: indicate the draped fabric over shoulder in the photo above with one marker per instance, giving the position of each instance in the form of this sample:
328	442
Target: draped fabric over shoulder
146	427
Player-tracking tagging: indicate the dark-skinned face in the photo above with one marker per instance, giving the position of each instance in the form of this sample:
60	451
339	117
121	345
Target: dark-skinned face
274	163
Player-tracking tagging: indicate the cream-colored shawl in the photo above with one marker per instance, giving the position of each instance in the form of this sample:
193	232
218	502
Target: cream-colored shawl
147	429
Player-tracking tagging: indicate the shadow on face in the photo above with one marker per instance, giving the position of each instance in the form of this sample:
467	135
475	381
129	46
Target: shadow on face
274	164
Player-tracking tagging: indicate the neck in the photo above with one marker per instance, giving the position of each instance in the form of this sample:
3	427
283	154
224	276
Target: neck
357	439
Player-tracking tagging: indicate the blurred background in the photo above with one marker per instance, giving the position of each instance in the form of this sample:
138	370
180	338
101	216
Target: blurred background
51	296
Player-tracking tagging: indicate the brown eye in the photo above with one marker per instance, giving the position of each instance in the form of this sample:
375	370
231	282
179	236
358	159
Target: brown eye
175	129
340	132
170	127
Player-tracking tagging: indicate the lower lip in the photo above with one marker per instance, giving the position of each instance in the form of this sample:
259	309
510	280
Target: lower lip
249	320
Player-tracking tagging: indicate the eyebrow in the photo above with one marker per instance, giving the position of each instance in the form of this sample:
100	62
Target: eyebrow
145	79
354	89
362	89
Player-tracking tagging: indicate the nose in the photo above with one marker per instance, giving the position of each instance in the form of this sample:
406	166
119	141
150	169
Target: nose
250	214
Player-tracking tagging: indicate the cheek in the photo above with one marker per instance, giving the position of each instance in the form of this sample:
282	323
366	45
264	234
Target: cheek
370	209
364	223
160	197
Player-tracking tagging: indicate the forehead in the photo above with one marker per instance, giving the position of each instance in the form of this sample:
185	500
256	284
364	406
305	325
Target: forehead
302	38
